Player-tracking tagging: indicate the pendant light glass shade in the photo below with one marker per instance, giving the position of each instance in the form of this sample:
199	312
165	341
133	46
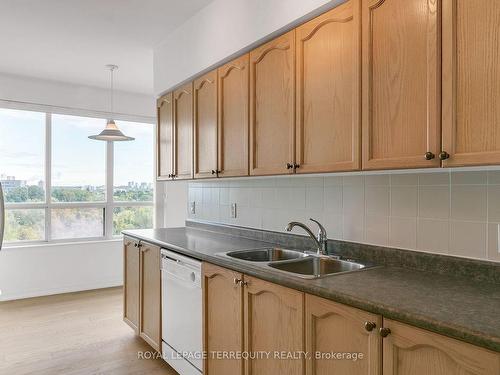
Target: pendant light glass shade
111	131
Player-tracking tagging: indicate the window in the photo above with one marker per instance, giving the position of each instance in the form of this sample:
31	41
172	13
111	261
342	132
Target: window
61	186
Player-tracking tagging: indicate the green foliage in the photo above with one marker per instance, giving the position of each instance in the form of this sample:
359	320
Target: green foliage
31	193
68	194
137	195
24	225
132	218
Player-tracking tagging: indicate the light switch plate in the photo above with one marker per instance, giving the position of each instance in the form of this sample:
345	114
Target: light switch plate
192	207
233	210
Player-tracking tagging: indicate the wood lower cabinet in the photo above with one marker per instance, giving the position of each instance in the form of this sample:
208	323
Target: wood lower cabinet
401	83
222	319
471	82
205	125
142	290
150	300
413	351
243	314
131	282
328	91
272	106
233	118
335	328
183	132
273	323
165	142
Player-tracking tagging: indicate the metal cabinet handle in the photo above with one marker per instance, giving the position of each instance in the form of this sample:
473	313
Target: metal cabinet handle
215	171
429	155
295	165
384	332
443	155
369	326
243	283
236	281
289	165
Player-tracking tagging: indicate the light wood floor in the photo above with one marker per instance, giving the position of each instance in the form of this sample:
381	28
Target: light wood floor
76	333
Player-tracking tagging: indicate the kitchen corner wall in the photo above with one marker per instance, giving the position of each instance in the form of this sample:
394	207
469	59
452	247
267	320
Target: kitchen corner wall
455	212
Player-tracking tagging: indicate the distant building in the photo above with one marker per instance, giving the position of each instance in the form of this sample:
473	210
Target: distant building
10	182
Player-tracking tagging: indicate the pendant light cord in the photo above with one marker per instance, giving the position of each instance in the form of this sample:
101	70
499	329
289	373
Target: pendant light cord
112	88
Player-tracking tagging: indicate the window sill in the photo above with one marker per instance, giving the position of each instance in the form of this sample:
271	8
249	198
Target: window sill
11	247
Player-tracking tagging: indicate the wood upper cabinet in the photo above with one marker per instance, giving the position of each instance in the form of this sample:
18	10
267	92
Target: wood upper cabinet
272	106
165	137
328	91
413	351
183	131
131	282
471	82
205	125
222	319
273	323
150	297
332	327
401	83
233	118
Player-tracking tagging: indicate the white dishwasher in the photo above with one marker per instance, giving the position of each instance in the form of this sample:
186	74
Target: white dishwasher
181	312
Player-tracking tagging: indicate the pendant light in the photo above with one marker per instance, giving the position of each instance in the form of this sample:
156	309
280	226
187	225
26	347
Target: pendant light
111	132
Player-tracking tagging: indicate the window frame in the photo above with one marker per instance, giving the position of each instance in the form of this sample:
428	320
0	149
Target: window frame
107	205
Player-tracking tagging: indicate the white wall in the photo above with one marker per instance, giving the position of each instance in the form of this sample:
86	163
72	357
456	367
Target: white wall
58	268
60	94
448	212
50	269
222	29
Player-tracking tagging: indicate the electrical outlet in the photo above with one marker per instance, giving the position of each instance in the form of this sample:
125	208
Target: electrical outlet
192	208
233	210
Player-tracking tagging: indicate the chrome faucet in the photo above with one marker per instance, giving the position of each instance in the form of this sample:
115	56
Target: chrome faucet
320	239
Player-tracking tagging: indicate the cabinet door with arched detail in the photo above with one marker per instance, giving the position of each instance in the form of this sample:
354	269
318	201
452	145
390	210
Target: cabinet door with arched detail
328	91
413	351
273	324
335	328
205	125
401	83
272	106
165	144
183	132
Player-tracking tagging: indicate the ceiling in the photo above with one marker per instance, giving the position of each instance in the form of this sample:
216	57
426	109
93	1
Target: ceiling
72	40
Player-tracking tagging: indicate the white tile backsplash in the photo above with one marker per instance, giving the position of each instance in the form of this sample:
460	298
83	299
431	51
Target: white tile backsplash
452	212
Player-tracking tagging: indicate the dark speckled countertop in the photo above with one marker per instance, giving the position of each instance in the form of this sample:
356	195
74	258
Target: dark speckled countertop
448	304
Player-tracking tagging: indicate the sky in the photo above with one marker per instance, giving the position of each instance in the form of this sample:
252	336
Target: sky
76	160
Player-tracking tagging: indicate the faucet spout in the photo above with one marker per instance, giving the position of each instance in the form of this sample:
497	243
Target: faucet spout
321	240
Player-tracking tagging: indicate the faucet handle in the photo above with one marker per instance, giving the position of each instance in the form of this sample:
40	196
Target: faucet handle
322	230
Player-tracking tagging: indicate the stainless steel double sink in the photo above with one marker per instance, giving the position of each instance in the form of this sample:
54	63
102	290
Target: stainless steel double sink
302	264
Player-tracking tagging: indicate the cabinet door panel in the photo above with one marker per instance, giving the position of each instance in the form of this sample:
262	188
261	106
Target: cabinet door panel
205	125
273	323
328	91
183	131
233	118
471	82
332	327
401	83
222	319
413	351
150	311
272	106
165	137
131	283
